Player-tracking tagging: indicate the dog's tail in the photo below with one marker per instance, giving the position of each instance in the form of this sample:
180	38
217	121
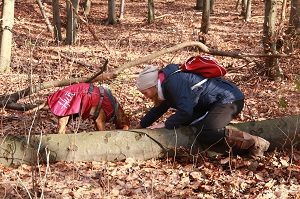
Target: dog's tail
39	107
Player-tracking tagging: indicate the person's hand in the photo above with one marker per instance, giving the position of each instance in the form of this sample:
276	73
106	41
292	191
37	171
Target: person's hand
157	126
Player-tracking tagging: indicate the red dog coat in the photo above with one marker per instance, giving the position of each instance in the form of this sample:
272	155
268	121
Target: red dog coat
79	99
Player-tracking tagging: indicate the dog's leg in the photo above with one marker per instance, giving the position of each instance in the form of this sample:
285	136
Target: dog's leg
62	124
100	121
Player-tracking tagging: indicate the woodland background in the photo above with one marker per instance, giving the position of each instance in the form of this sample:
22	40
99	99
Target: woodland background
36	58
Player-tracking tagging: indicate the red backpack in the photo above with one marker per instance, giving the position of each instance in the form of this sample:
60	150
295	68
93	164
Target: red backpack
203	65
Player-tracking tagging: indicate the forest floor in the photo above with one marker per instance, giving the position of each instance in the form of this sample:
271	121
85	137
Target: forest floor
36	58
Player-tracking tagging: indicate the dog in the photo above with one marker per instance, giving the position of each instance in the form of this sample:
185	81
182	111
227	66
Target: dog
89	102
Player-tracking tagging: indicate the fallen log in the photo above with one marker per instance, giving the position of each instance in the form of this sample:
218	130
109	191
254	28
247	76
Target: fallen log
140	144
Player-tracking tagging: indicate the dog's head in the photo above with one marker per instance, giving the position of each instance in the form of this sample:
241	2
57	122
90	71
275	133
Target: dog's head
121	120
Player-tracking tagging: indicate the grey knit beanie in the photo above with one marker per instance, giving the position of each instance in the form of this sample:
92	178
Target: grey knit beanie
147	78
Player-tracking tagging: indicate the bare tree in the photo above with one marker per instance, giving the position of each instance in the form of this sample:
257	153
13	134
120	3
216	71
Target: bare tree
112	19
199	5
205	16
49	26
56	20
150	11
122	8
72	10
269	39
87	7
294	25
248	10
6	36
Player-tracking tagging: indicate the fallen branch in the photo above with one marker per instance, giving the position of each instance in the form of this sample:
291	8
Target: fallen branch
10	101
202	48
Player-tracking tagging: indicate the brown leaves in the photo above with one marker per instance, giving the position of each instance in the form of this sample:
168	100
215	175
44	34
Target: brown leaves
271	176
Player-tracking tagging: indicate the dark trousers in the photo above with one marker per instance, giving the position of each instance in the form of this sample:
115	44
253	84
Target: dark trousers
212	128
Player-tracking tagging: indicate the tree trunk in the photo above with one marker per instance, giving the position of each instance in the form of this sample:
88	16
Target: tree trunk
283	10
212	6
269	40
248	10
72	10
244	7
112	19
205	16
87	7
199	5
294	26
56	20
6	36
141	144
49	27
122	8
294	21
150	11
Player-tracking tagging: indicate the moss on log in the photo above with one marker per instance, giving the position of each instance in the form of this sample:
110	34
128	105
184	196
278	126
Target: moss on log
140	144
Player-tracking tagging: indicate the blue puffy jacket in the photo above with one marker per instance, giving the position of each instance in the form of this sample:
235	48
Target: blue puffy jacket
189	104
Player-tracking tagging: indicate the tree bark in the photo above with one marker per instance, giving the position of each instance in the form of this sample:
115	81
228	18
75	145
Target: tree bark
122	9
269	41
212	6
72	10
56	20
87	7
244	7
205	16
6	36
199	5
248	10
294	21
150	11
293	32
112	19
48	24
141	144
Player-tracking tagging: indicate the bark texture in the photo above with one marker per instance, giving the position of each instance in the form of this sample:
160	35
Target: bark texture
141	144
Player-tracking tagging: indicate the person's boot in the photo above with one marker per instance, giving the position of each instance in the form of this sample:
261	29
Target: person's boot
241	140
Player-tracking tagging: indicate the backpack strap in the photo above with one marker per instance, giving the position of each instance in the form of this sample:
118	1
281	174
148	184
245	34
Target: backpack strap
114	104
199	84
101	89
91	89
163	78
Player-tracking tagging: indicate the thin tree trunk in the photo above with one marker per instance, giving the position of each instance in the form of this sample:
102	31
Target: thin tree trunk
283	10
248	10
150	11
269	40
87	7
212	6
244	7
49	26
112	19
56	20
205	16
199	5
6	35
72	9
122	8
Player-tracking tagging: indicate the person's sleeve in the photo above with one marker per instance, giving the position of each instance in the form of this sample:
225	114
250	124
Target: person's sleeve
154	114
180	93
